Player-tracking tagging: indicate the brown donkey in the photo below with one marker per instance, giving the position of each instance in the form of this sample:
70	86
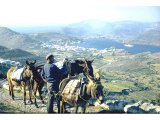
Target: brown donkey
73	96
77	93
27	79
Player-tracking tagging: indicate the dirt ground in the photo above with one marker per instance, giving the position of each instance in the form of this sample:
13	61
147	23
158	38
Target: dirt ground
7	105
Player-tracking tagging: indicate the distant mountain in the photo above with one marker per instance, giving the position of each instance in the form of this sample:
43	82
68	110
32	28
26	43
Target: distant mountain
16	54
31	41
150	37
3	49
12	39
120	31
87	27
124	31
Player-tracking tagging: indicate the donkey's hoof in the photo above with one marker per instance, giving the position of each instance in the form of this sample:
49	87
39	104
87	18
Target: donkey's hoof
36	106
43	102
30	102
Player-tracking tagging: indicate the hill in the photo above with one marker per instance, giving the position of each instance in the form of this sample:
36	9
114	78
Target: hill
12	39
124	31
34	42
17	55
150	37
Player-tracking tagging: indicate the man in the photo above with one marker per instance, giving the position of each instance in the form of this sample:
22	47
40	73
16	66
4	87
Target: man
51	74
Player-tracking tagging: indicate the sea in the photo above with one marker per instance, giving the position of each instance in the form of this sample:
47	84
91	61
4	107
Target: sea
101	44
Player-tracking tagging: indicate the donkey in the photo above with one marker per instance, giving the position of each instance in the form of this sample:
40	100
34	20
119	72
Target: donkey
79	66
93	89
27	79
37	83
75	68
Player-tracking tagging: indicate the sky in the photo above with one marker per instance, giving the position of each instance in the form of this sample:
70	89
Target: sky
56	12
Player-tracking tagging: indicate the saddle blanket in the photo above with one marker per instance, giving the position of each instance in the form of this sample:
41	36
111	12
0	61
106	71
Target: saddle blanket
17	74
59	64
72	86
72	91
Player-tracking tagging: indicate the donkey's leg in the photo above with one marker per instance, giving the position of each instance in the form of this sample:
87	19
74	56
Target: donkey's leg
84	109
77	106
40	86
24	91
62	106
11	87
58	102
35	87
30	93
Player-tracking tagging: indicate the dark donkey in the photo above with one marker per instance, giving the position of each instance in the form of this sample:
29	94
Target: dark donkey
75	68
27	78
37	83
79	66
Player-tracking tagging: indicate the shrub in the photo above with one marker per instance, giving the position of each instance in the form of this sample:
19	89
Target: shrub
158	99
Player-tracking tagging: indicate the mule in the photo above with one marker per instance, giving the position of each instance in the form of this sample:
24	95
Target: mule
37	84
93	89
27	79
79	66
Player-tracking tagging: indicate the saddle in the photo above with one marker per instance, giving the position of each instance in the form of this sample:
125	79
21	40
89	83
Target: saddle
83	87
73	89
17	74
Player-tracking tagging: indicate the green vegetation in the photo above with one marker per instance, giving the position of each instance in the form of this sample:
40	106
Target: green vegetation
3	70
7	108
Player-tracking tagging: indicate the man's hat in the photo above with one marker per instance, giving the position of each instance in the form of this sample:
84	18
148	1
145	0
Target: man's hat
49	55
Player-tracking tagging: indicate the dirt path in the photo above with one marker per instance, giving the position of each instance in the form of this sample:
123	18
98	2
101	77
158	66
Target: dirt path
7	105
17	106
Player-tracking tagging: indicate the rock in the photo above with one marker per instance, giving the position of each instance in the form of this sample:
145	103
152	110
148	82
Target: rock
125	92
117	105
150	108
134	108
103	105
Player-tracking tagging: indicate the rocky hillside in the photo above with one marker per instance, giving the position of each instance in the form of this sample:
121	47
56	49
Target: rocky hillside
33	42
17	54
12	39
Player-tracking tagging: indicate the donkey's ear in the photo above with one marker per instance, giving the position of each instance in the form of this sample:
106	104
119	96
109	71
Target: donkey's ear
34	62
91	61
27	63
82	65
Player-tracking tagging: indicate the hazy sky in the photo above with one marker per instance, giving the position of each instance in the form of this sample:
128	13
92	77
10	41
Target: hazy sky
45	12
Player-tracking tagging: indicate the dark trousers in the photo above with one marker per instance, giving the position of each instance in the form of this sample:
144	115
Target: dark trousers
51	97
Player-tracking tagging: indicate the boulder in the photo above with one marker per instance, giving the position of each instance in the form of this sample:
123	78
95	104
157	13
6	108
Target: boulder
117	105
125	92
134	108
150	108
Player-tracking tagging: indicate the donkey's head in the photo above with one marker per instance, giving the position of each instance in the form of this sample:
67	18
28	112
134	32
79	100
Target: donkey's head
67	65
96	89
30	67
86	67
